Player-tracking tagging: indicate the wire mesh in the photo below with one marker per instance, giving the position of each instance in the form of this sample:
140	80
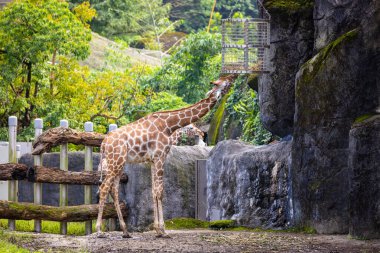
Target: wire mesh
245	44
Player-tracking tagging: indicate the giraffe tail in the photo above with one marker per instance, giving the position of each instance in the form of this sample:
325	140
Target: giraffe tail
100	168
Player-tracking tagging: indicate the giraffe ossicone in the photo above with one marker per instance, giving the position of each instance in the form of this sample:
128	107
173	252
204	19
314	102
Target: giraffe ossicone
148	140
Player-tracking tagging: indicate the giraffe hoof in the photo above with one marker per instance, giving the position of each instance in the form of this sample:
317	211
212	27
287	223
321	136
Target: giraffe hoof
126	235
166	236
100	235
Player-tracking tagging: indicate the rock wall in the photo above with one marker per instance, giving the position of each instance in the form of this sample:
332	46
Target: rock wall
179	199
291	39
249	184
364	174
339	84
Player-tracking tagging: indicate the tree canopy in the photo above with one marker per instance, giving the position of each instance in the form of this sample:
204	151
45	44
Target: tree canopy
32	33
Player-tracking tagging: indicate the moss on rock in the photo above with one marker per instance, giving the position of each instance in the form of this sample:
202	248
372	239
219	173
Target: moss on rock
222	224
289	5
217	121
185	223
307	89
313	66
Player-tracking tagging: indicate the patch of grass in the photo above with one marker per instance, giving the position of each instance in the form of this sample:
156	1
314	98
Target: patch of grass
185	223
8	242
302	230
51	227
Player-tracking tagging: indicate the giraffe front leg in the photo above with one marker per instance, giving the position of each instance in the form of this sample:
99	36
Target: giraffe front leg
157	192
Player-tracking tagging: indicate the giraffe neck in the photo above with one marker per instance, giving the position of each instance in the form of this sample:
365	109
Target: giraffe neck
183	117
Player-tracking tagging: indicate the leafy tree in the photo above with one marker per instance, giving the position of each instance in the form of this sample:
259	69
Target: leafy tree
162	101
188	71
31	34
194	13
130	20
228	8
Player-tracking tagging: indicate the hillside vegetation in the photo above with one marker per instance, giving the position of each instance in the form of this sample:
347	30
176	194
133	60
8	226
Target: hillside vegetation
108	61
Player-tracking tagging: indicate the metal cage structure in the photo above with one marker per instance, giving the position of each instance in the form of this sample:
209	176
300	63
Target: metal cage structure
246	43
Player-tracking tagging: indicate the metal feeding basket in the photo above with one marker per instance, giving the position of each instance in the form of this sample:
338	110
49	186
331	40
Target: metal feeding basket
245	44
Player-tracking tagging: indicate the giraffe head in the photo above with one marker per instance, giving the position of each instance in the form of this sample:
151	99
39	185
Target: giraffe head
222	85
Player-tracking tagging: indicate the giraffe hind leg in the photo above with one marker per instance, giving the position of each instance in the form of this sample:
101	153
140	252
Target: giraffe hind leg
103	193
115	196
157	192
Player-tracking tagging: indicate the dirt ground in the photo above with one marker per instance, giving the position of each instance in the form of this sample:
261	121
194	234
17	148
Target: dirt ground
202	241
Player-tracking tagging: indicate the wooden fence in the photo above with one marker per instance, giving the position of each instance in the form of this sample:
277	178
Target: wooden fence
38	174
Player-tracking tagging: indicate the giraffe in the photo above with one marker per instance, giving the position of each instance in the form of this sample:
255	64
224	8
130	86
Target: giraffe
148	140
189	131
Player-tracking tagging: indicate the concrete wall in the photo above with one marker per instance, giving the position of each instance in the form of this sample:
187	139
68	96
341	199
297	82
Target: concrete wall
26	147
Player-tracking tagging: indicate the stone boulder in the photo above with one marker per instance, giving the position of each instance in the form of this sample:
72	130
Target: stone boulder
364	172
249	184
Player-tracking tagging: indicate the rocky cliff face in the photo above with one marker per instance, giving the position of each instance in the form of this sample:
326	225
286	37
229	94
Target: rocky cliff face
325	76
292	31
249	184
364	176
339	84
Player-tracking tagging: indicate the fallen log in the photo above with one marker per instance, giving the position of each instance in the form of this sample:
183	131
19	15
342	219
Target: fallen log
40	174
60	135
13	171
30	211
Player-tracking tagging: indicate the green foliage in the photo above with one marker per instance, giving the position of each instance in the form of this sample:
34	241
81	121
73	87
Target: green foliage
32	33
131	20
162	101
228	8
194	13
242	105
190	68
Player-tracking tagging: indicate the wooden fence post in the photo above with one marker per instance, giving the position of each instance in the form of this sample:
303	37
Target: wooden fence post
38	126
88	127
63	165
12	184
111	222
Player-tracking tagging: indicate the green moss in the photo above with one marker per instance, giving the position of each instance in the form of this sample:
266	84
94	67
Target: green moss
289	5
313	66
217	120
185	223
222	224
307	90
363	117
